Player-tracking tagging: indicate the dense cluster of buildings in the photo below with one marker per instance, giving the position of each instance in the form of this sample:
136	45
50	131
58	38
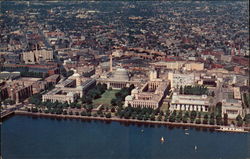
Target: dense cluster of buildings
73	46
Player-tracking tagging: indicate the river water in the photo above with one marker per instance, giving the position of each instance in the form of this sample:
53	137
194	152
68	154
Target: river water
24	137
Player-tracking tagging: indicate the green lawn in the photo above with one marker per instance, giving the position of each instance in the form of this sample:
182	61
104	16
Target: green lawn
106	98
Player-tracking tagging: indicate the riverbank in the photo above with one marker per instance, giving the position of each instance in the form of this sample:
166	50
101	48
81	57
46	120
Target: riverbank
213	127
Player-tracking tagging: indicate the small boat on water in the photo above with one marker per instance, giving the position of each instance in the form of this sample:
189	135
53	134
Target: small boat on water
231	129
142	130
162	139
195	147
186	133
185	129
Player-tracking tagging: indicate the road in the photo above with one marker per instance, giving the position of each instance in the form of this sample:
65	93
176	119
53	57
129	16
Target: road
6	112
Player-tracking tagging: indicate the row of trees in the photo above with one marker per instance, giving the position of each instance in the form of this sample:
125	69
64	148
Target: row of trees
8	101
120	96
147	114
194	90
138	113
185	117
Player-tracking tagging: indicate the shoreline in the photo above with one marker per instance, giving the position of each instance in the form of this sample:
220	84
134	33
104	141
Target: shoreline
174	124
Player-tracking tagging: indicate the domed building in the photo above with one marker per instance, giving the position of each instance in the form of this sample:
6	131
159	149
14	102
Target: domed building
121	74
118	79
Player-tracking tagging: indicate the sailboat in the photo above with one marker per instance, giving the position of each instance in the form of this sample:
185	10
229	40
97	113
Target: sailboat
195	147
162	139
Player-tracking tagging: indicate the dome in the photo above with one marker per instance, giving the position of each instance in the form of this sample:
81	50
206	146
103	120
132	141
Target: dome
120	74
128	98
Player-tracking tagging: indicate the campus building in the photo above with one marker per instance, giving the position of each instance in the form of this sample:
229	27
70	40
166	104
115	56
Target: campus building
181	79
150	95
231	106
189	102
70	89
17	91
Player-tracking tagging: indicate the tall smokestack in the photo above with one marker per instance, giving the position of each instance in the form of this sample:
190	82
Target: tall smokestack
110	63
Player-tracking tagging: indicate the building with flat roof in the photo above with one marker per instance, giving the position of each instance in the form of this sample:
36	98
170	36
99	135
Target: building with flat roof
5	75
16	90
70	89
194	66
189	102
231	106
150	95
37	56
181	79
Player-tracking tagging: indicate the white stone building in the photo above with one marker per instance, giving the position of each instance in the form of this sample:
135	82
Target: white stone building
189	102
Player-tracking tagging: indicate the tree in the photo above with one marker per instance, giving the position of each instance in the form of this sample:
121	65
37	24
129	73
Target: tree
8	101
34	110
88	113
146	116
172	118
70	113
108	115
239	120
193	116
86	99
205	120
225	119
198	121
187	114
139	117
134	115
219	108
211	121
247	119
112	109
113	101
152	117
179	117
83	113
218	119
65	112
185	119
159	118
127	115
